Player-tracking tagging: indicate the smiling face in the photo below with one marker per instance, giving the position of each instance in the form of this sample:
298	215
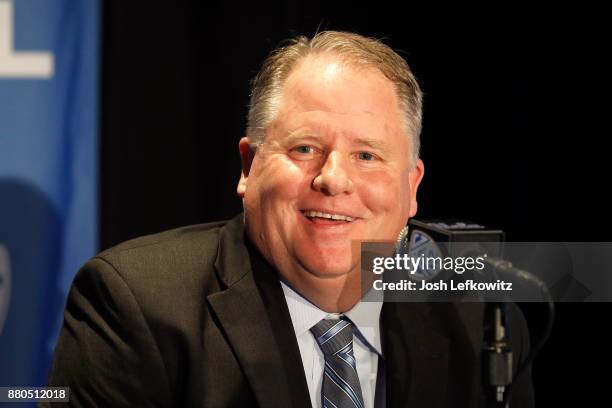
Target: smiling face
334	168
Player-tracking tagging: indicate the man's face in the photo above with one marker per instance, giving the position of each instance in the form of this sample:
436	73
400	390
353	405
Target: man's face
334	168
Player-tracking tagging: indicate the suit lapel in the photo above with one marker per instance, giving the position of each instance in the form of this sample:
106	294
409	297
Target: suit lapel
416	356
253	313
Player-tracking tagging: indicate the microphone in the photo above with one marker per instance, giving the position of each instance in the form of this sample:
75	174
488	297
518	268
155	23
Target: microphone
502	267
457	238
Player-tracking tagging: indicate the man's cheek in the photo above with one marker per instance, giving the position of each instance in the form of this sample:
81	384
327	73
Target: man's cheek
382	194
289	183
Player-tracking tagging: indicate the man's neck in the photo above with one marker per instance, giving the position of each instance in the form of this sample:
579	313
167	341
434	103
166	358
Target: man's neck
330	294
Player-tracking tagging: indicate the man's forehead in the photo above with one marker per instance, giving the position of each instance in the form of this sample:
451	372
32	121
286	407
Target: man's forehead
329	73
330	85
364	128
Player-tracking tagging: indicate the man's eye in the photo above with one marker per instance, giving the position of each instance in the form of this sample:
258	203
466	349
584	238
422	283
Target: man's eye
303	149
366	156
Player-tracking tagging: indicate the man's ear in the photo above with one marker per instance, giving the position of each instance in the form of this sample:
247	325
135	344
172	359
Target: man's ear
246	157
415	176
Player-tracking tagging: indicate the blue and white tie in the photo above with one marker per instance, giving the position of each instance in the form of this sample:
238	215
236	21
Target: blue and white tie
341	387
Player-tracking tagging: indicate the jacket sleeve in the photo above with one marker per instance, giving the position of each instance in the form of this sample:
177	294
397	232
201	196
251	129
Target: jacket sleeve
106	352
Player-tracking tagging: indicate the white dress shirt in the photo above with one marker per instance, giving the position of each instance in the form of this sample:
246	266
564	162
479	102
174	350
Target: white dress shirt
366	343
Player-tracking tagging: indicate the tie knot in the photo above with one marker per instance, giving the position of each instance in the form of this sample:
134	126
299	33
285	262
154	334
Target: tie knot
333	336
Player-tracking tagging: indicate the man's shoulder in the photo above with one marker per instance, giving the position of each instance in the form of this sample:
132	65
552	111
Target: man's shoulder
203	238
168	263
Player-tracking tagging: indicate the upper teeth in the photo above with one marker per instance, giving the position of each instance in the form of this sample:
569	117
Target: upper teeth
310	213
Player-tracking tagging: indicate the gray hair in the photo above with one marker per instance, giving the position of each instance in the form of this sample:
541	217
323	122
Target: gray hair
352	49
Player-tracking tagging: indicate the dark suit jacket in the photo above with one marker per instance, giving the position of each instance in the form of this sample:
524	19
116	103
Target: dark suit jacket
195	317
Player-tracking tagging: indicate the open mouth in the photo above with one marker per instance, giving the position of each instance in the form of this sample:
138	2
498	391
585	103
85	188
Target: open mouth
315	216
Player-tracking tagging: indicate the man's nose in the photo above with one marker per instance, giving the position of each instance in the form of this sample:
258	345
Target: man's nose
334	177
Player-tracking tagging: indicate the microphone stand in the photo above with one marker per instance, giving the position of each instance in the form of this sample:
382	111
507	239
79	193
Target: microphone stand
497	355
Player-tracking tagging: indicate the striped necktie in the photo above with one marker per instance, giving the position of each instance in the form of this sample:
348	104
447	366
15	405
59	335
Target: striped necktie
341	387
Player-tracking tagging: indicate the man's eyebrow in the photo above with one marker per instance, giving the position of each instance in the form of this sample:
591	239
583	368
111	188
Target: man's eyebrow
373	143
376	144
301	134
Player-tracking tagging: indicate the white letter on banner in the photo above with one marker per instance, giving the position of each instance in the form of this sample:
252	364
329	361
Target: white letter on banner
19	64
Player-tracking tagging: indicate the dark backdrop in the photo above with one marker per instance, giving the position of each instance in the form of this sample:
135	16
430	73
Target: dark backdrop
513	131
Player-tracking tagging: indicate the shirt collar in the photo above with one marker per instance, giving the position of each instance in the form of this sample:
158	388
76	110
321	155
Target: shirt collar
365	316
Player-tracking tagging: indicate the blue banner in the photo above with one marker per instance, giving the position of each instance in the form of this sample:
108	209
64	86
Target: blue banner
49	62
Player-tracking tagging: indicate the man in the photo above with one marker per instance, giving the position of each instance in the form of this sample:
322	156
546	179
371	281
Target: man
264	310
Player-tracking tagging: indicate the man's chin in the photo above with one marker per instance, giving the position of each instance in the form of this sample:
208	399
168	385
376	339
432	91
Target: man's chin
328	268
